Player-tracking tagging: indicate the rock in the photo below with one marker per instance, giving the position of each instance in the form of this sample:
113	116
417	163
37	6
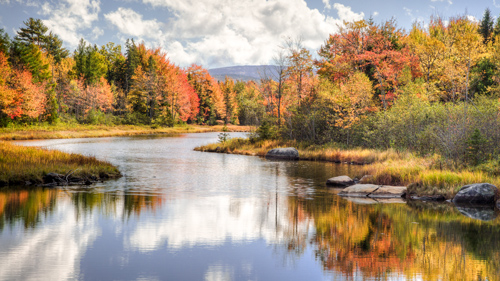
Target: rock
53	177
479	193
387	191
478	213
429	198
288	153
366	179
374	191
341	181
359	190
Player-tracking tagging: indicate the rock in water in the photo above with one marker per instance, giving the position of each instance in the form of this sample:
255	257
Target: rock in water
479	193
387	191
341	181
359	190
287	153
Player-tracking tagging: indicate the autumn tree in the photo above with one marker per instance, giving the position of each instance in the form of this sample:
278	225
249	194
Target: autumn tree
212	105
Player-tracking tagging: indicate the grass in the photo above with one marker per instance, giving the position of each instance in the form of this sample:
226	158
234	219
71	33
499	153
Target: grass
65	131
19	164
423	175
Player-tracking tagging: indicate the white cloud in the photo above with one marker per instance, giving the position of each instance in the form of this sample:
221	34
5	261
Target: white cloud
69	18
375	14
97	32
131	23
327	4
450	2
223	32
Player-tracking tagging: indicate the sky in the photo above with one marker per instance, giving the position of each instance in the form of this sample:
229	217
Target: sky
219	33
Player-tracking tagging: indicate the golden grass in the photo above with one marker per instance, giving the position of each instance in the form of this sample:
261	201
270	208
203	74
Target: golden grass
422	175
19	164
65	131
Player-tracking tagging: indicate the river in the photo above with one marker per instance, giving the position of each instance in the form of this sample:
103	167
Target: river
178	214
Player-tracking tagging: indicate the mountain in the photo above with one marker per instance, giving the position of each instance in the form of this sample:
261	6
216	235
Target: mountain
242	72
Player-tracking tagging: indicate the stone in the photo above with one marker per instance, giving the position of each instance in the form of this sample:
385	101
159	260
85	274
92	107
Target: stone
359	190
53	177
479	193
287	153
478	213
387	191
341	181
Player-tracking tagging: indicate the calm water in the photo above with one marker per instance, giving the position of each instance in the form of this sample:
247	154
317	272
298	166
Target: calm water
178	214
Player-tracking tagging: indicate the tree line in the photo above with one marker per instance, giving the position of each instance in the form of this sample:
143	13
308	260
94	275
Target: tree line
432	89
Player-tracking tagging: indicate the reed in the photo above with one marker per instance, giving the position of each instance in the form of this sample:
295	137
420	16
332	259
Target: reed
19	164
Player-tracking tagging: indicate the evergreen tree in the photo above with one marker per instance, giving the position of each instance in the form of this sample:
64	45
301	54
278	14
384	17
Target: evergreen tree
4	41
486	26
53	45
33	33
496	29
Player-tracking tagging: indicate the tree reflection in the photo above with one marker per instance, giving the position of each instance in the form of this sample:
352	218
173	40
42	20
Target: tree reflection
416	240
29	207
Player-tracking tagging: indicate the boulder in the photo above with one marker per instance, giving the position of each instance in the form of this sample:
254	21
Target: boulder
359	190
287	153
479	193
387	191
341	181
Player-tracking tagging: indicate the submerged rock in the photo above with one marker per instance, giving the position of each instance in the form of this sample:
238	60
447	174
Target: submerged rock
53	178
287	153
437	198
341	181
479	193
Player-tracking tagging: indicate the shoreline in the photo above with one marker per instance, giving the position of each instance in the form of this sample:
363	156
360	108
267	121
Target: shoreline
423	176
96	131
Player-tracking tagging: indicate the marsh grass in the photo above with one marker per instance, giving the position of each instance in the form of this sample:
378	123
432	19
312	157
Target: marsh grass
19	164
429	175
66	131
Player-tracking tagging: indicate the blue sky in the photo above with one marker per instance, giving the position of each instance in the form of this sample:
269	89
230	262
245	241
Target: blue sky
216	33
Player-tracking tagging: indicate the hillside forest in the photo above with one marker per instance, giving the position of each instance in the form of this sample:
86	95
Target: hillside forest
432	90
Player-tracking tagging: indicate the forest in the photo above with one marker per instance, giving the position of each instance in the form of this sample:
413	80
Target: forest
432	90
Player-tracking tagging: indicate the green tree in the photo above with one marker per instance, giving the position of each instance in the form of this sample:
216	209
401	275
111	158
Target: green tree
89	63
4	41
486	26
33	32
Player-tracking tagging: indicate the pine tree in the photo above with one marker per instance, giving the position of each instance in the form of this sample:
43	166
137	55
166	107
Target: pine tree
486	26
4	41
33	33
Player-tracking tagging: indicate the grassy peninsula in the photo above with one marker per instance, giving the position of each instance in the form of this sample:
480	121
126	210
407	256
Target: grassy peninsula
19	165
431	175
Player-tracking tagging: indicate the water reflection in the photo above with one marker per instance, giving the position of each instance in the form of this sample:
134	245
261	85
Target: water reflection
179	214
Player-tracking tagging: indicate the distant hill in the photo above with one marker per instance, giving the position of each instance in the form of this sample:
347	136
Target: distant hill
242	72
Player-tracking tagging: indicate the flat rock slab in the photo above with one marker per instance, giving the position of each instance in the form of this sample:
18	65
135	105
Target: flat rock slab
374	191
341	181
287	153
387	191
359	190
370	201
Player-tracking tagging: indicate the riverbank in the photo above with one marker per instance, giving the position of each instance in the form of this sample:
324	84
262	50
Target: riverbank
21	165
67	131
422	175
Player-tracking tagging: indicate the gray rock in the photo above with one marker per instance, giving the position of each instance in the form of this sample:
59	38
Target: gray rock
359	190
374	191
341	181
53	178
479	193
287	153
428	198
387	191
478	213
